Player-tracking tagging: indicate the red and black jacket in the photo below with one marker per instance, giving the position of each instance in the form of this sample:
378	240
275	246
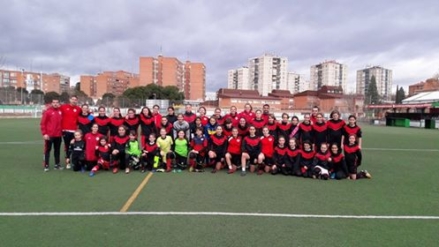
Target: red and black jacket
284	129
272	128
103	123
280	155
189	117
234	117
218	144
115	123
169	129
294	156
104	152
227	131
319	133
85	122
91	142
132	123
353	155
259	124
338	163
321	159
119	143
147	124
151	148
307	158
204	120
305	132
351	130
251	145
335	130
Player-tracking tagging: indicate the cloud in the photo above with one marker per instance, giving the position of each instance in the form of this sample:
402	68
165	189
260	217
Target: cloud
76	38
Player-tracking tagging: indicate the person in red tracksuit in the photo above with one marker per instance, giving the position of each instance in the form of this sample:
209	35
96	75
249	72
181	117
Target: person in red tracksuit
248	114
51	130
258	122
202	115
116	120
233	155
217	148
157	117
85	119
69	123
251	148
267	151
103	121
217	114
228	127
233	114
91	142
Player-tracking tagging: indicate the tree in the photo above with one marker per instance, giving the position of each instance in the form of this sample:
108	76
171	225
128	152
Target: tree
108	99
64	97
49	96
372	96
36	96
172	93
400	95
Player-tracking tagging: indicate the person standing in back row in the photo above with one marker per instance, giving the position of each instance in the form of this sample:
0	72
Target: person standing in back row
69	123
51	130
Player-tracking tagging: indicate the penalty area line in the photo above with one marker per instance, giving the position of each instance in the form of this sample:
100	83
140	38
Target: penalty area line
318	216
402	149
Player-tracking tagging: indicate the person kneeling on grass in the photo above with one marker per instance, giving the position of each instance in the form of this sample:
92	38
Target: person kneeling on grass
165	142
197	155
150	155
104	156
217	149
320	163
91	142
337	163
353	157
280	158
181	150
267	151
132	152
76	152
118	149
233	155
306	160
251	150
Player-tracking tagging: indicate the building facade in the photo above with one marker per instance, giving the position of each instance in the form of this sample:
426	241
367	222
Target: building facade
431	84
238	79
383	78
34	81
297	83
328	73
188	77
114	82
267	73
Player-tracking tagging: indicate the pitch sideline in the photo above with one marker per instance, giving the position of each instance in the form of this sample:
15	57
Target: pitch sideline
318	216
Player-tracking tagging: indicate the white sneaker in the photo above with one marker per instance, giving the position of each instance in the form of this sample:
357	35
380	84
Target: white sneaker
68	166
46	168
127	170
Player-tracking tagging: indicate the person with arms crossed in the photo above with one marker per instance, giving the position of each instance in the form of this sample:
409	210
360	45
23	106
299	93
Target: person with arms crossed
51	130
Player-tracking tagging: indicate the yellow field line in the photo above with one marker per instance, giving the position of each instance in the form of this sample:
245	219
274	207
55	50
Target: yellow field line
136	193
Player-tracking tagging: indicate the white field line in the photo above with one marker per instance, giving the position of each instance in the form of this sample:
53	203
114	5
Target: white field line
318	216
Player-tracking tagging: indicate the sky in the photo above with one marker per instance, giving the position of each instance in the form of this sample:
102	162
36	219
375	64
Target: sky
88	37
